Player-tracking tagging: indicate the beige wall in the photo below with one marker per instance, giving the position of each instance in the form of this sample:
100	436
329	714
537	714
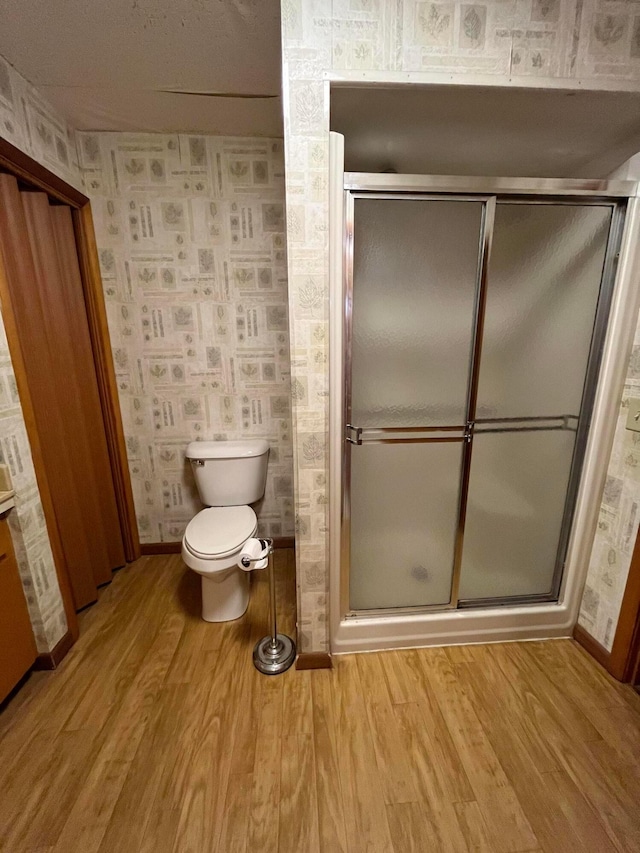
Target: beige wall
197	312
190	232
27	121
582	42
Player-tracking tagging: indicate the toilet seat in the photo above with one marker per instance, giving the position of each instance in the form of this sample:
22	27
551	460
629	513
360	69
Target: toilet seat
217	532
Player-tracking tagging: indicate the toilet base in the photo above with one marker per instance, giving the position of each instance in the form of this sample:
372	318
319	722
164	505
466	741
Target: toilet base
225	595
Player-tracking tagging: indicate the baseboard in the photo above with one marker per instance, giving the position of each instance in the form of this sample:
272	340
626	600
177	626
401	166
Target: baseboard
53	659
591	645
149	549
314	660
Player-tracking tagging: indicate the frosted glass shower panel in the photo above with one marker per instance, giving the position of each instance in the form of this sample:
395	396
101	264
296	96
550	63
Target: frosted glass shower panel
414	279
404	514
544	279
517	493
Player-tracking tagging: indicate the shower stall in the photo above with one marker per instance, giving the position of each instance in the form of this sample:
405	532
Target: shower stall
474	314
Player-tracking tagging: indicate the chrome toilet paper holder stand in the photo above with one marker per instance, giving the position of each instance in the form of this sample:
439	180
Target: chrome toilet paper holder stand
276	652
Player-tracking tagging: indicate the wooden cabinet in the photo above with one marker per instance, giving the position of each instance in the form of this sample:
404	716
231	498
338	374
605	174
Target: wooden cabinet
17	644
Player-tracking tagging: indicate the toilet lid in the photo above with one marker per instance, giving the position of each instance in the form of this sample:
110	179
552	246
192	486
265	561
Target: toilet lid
219	530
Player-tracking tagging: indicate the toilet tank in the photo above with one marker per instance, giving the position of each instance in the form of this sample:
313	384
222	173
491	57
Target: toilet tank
229	473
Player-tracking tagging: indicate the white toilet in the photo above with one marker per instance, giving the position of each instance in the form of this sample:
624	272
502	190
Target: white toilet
229	475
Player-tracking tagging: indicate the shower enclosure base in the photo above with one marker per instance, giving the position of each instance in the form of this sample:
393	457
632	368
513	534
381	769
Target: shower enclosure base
452	628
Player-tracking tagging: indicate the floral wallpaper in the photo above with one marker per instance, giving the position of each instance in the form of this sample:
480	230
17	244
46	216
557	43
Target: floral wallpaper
573	39
29	123
26	520
190	232
617	522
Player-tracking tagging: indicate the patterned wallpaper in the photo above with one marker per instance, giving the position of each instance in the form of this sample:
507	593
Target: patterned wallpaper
190	231
617	523
30	123
27	121
575	39
26	521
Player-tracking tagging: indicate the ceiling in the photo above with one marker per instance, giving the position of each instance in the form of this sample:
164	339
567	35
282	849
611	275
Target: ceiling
213	66
152	65
486	131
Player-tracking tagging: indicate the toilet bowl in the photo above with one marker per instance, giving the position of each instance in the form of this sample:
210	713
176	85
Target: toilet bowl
229	476
211	546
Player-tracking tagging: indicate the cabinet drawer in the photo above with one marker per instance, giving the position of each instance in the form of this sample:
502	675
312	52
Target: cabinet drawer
6	545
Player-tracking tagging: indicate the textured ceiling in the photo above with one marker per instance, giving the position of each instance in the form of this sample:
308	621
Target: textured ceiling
118	65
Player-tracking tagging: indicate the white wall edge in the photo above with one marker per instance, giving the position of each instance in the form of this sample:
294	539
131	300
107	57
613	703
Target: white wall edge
439	78
623	320
500	624
336	237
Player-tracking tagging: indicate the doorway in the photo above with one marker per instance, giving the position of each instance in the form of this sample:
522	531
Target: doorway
55	319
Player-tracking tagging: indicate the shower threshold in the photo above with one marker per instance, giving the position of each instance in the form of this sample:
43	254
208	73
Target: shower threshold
447	627
462	604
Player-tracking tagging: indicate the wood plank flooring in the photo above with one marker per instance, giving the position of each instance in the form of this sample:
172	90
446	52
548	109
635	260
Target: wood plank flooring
157	734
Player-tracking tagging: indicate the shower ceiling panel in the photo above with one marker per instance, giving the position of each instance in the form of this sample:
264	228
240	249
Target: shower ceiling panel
483	130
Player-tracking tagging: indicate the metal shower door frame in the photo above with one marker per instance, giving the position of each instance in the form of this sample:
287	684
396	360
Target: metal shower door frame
488	191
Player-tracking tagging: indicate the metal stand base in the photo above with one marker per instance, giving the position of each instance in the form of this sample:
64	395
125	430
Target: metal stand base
272	658
273	654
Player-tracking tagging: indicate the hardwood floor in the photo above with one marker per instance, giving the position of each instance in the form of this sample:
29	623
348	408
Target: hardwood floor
157	734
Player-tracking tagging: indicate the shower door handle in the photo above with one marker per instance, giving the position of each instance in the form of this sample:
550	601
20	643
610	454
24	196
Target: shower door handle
405	435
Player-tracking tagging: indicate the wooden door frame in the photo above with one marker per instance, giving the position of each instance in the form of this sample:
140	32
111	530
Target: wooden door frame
623	661
625	652
36	176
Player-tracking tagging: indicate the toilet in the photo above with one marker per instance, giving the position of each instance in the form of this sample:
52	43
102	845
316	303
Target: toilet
229	475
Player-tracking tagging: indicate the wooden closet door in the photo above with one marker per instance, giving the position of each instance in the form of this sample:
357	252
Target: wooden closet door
31	321
86	383
40	276
59	333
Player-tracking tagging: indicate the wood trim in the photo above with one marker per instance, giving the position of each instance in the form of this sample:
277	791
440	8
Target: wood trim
634	664
53	659
148	549
15	348
591	645
107	386
27	169
92	452
626	641
314	660
623	661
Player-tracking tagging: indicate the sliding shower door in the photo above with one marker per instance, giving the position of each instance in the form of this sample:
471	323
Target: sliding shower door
414	294
473	331
544	276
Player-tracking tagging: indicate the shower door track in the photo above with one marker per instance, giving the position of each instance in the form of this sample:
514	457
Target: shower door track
439	186
488	191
